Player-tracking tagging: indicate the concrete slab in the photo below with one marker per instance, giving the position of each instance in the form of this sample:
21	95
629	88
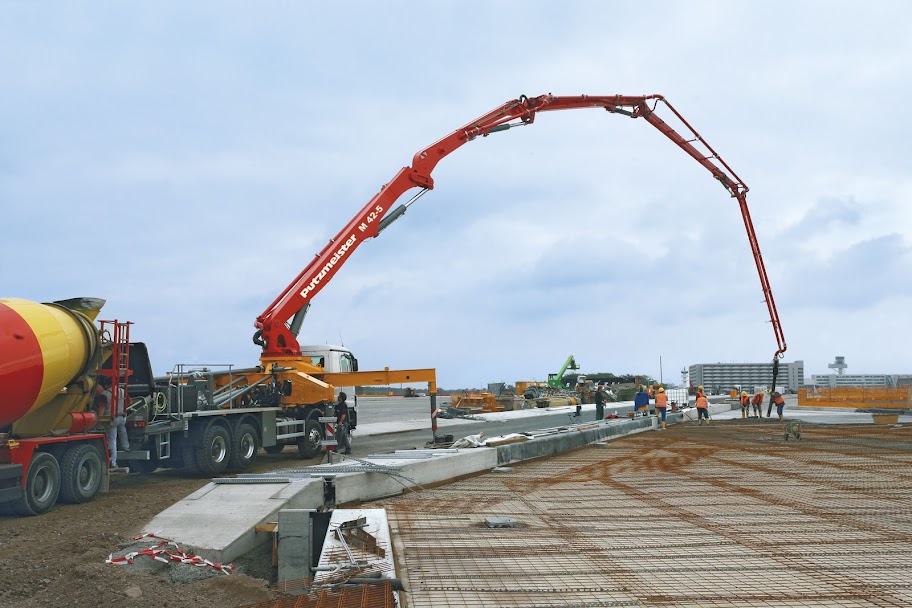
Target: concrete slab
219	520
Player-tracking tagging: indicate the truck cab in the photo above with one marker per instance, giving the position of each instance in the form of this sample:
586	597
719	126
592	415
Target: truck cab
336	359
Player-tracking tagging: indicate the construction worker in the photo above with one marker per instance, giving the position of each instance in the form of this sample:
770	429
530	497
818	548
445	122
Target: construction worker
114	406
641	402
599	403
342	425
661	405
779	400
745	404
702	408
701	393
757	403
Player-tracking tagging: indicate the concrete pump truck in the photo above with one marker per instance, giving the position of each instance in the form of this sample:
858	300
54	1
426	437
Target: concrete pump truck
52	356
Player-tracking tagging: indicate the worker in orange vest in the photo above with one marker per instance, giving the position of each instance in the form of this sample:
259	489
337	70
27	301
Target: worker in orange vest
702	408
757	403
779	400
745	404
661	405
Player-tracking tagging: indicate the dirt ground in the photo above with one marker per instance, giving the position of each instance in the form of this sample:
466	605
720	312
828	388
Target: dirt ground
58	559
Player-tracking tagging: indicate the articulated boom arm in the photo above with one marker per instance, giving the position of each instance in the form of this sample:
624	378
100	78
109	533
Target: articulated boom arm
278	339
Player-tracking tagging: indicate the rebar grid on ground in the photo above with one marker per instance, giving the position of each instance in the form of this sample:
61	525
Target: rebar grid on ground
724	515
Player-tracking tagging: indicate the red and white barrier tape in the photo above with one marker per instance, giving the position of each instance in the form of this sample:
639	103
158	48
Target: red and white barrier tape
162	553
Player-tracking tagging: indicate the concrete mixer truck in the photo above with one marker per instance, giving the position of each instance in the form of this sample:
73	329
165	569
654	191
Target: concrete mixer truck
49	355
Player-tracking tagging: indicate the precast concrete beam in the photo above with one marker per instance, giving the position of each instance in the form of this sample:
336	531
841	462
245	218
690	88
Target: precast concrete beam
294	546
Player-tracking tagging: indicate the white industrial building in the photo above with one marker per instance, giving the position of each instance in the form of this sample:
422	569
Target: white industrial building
841	379
723	377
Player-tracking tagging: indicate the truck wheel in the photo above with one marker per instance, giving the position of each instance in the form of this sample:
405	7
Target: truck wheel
244	448
42	485
213	455
310	444
275	449
80	474
186	456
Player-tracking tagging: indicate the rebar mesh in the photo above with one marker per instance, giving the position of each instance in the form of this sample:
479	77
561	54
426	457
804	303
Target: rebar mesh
725	515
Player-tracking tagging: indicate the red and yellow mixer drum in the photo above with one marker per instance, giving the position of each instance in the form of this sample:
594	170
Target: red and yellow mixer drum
45	348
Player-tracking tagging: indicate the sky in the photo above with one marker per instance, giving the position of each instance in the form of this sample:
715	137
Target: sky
185	161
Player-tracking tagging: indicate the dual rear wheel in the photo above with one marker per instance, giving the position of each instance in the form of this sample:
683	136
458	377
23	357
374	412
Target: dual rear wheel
75	478
221	449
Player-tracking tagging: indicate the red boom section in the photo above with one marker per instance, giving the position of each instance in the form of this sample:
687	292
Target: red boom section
279	340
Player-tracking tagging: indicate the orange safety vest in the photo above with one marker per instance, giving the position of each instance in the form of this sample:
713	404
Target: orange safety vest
701	402
779	400
745	400
661	400
758	399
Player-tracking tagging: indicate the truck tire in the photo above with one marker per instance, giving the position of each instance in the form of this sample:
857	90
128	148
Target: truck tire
309	446
81	471
42	485
244	447
186	456
213	455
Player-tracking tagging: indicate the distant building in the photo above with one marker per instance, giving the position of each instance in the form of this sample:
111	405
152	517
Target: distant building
840	378
725	376
863	380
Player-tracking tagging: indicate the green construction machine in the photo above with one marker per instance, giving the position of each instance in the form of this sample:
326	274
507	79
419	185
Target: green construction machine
557	380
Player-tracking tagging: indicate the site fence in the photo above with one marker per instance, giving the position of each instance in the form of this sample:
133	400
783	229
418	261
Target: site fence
856	397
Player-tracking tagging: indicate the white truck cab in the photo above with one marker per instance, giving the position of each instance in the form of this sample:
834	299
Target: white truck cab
336	359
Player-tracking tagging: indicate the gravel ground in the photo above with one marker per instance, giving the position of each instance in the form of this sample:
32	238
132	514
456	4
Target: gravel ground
59	558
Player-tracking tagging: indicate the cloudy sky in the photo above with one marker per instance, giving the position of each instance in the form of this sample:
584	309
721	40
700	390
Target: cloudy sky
185	161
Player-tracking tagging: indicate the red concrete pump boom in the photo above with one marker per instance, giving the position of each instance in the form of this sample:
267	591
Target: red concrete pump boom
278	326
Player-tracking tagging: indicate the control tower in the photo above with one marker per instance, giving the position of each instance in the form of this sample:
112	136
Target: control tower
839	365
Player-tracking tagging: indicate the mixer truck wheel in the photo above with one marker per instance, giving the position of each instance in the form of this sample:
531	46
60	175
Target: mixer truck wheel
244	448
80	474
310	444
213	455
42	485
